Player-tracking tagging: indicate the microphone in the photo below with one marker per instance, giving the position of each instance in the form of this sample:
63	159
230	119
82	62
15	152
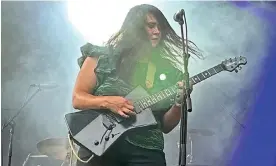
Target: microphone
46	86
178	16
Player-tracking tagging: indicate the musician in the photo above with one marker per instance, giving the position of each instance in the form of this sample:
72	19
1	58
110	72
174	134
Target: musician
146	51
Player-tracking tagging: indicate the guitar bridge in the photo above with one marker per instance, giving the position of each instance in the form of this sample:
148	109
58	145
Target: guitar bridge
108	122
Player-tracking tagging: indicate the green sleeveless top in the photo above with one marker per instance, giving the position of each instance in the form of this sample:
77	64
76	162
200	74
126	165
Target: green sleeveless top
109	84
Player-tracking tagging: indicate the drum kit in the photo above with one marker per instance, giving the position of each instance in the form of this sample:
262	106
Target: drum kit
60	149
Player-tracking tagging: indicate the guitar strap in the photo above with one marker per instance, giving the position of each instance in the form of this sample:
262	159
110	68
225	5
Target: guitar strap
150	75
151	70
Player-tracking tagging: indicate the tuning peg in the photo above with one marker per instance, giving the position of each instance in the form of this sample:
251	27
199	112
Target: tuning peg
240	67
236	70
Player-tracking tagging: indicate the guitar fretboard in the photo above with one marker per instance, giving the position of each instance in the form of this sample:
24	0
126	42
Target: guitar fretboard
166	93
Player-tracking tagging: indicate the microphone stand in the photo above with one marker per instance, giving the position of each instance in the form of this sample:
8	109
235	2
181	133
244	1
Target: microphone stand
11	123
186	103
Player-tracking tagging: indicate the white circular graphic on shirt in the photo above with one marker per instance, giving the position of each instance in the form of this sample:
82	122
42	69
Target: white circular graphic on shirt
162	77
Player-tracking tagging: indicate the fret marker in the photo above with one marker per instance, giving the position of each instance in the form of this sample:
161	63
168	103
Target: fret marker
162	77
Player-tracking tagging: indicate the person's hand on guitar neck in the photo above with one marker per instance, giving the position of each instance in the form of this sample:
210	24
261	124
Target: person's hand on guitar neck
120	105
172	116
179	94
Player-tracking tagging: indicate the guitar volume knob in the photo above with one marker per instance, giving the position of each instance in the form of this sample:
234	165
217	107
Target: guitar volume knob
96	143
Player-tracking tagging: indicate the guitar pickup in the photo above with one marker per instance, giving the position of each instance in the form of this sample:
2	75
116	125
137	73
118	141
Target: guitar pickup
115	117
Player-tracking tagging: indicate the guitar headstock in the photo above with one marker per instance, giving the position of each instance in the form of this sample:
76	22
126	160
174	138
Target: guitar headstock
233	63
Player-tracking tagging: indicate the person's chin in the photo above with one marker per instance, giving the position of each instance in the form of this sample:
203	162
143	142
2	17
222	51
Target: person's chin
153	44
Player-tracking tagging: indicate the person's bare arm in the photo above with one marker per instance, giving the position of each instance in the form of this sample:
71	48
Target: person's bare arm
86	82
171	119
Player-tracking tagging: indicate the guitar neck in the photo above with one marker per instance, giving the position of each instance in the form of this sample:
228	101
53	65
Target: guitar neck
206	74
166	93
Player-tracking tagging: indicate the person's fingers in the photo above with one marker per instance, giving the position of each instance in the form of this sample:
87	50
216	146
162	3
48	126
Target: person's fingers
128	112
120	112
129	102
180	84
128	106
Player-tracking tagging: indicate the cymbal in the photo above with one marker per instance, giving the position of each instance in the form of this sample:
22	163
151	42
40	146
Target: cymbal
57	148
189	164
38	156
202	132
196	165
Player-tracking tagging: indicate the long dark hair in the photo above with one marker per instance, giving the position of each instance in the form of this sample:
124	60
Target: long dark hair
132	38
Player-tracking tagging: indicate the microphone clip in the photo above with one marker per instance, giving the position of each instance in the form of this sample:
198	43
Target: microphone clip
178	16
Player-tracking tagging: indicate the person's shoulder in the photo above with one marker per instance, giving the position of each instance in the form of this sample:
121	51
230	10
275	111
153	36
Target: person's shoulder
90	49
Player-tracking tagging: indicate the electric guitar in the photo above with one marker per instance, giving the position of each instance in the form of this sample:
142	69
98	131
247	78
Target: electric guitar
97	130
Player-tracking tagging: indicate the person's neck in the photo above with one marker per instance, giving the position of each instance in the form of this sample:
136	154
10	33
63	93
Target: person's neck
149	53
